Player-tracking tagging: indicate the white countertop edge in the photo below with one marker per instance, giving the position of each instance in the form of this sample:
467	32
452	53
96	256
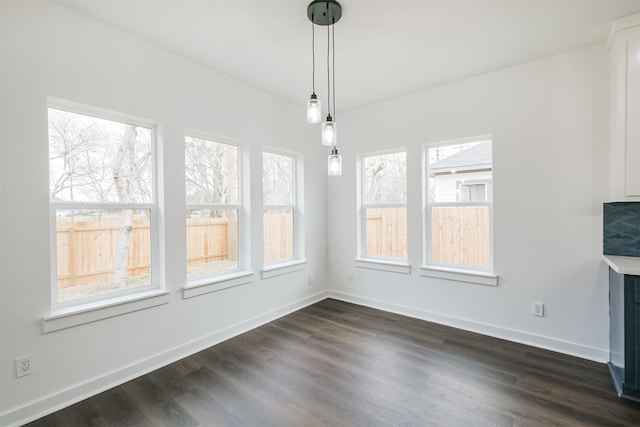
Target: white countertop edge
623	264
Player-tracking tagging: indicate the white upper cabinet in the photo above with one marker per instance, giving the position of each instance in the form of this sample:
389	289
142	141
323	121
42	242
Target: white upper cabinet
624	129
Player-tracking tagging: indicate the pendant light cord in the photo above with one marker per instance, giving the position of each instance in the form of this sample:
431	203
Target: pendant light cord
313	55
333	65
328	71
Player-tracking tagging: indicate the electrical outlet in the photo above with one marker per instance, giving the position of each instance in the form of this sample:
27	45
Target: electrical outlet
349	277
23	366
311	278
537	309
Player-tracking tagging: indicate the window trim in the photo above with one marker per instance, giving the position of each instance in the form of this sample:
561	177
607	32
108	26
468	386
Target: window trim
217	283
362	207
383	264
297	208
459	272
460	275
88	312
286	267
156	286
215	279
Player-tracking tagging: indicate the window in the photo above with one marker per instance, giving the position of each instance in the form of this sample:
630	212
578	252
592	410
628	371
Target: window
279	201
103	205
384	205
213	207
472	191
459	204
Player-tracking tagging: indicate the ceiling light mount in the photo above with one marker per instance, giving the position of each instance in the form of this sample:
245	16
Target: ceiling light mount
324	12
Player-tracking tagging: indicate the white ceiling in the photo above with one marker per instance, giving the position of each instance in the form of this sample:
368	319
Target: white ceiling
383	48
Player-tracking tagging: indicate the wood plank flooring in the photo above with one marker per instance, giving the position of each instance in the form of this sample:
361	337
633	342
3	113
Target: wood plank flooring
338	364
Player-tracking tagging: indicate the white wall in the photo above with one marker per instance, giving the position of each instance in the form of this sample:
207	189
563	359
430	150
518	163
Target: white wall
48	50
549	120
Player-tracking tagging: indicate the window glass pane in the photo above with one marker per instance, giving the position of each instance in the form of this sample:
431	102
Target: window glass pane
97	160
212	241
460	235
464	192
385	179
99	251
386	232
211	172
278	235
477	192
450	165
277	179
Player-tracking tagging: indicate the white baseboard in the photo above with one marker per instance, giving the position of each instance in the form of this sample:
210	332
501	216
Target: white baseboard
46	405
547	343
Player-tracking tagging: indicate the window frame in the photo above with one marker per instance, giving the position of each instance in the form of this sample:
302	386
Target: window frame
155	243
231	273
297	261
362	257
463	272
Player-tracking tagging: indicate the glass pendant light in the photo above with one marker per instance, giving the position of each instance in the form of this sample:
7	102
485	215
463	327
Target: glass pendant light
334	163
314	108
329	132
329	129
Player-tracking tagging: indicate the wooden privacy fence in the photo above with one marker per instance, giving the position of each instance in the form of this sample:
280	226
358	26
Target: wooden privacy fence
86	249
461	235
207	240
386	232
278	235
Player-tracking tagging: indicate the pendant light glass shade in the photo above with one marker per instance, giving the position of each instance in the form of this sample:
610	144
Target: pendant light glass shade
329	132
314	110
334	163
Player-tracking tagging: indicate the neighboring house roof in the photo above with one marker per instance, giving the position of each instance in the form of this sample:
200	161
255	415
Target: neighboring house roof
474	158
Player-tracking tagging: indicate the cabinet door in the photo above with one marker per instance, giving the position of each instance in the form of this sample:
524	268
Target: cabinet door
633	119
632	334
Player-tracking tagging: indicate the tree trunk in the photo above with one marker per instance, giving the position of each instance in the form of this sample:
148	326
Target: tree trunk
124	180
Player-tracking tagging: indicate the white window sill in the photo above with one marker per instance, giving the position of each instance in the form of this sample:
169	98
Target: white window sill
216	283
282	268
460	275
91	312
384	265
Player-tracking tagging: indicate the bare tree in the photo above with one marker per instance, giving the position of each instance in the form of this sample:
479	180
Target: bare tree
70	144
125	183
210	173
385	178
277	179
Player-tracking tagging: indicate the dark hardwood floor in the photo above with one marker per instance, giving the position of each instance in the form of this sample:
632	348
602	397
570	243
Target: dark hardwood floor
338	364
